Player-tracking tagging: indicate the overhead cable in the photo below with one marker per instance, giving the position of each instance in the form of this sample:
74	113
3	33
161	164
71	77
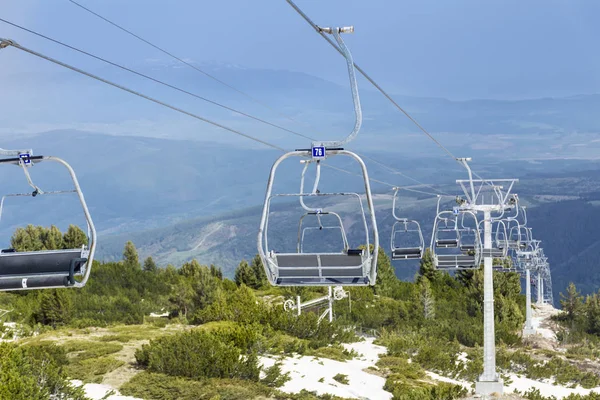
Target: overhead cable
201	97
6	43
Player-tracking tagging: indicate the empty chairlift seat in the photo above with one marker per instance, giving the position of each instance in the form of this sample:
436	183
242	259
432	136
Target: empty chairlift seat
458	261
448	249
407	253
446	243
40	269
494	252
322	269
407	238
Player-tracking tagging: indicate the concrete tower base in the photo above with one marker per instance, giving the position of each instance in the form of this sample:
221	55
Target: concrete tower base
489	387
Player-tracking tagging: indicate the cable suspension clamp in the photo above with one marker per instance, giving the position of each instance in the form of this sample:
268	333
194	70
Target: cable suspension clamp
344	29
6	42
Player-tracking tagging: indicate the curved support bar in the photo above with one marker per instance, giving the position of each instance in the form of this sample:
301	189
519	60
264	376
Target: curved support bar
88	217
397	218
354	88
315	186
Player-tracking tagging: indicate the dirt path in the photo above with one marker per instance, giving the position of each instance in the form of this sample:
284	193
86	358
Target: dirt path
123	374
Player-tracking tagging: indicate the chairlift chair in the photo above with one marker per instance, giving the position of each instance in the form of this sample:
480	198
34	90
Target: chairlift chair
351	266
45	269
448	236
405	229
500	243
448	256
467	236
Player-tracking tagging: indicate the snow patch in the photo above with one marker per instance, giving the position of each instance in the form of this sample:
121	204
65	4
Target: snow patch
97	391
305	373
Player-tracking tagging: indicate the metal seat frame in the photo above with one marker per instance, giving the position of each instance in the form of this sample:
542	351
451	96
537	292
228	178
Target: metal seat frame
45	269
456	260
405	253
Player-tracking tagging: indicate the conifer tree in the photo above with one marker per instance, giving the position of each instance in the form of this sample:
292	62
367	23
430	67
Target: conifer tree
259	271
427	298
55	307
52	239
427	269
74	238
130	255
150	265
244	274
571	303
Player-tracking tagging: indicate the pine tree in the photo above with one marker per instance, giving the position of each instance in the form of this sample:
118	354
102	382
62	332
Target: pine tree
191	269
150	265
52	238
427	298
182	296
592	311
28	238
130	255
572	303
386	282
216	272
74	238
259	271
244	274
55	308
427	269
21	241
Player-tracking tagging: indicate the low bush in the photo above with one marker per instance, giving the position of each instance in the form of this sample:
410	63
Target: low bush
341	378
92	370
34	373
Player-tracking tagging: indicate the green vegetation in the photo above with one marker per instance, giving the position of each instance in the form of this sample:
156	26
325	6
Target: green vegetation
430	322
581	316
534	394
341	378
93	370
563	372
165	387
34	372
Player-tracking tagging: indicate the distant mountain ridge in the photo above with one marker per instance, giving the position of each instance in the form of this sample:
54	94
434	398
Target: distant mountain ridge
517	128
181	199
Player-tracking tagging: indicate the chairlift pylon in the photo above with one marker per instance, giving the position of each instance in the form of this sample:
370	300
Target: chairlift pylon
45	269
351	266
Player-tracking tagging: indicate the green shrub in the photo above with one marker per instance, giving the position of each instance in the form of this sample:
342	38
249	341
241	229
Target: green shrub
34	373
197	354
93	370
84	350
341	378
333	352
274	377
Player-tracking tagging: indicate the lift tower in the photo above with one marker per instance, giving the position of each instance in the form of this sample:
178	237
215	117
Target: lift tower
497	202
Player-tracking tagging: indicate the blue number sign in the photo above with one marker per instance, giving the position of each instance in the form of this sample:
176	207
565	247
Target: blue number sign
318	152
24	157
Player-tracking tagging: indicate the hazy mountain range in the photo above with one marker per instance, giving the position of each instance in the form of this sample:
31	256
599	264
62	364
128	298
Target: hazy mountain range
181	189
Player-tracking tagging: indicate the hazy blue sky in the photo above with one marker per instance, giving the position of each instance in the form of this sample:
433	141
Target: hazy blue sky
457	49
